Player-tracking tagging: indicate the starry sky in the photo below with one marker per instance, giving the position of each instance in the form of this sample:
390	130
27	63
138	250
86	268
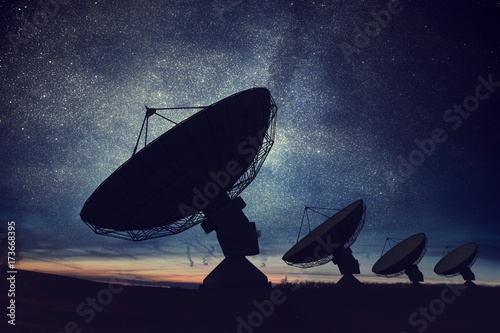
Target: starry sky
357	91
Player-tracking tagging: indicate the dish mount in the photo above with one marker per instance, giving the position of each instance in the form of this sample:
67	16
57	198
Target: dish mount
330	241
403	258
458	262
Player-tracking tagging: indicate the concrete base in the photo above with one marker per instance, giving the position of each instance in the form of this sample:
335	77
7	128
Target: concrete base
348	280
235	271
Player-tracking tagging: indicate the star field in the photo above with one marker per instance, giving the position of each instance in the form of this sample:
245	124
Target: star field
73	96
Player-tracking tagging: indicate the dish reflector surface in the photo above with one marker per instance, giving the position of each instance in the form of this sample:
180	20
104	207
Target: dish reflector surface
404	254
456	260
164	188
337	232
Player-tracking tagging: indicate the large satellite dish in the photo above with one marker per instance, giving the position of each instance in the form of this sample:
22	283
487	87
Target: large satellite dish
330	241
192	174
458	261
403	258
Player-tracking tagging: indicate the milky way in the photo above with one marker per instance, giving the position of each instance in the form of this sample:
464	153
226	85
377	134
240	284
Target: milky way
74	90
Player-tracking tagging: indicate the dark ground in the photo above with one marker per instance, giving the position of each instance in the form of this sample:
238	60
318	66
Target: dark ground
49	303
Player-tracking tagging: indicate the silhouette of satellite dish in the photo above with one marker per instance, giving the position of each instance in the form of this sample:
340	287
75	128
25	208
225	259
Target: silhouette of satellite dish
458	261
330	241
192	174
403	258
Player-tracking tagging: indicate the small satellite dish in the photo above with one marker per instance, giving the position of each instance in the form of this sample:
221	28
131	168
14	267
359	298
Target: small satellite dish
458	261
330	241
192	174
403	258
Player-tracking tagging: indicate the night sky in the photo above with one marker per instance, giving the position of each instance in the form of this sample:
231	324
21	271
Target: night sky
357	93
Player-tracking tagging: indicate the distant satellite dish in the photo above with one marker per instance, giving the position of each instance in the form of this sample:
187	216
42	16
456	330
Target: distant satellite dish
458	261
403	258
330	241
192	174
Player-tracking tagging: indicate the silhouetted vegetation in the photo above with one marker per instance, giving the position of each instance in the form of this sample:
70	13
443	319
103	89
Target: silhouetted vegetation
46	303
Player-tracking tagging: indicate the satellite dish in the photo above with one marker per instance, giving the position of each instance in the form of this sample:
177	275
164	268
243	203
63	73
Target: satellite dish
403	258
458	261
330	241
192	174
